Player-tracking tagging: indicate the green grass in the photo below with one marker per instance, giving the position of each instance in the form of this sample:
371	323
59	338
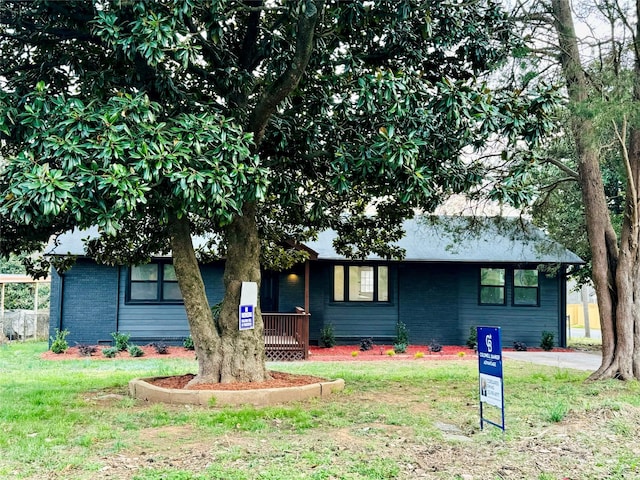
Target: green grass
74	419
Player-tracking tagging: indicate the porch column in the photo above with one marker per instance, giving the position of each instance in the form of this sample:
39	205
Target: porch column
306	286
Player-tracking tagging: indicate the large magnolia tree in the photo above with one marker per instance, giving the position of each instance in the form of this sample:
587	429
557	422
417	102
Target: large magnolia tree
253	122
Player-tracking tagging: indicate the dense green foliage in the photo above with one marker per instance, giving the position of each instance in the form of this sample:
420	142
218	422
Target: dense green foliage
136	112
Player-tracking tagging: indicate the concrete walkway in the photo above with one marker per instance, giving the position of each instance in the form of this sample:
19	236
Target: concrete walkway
577	360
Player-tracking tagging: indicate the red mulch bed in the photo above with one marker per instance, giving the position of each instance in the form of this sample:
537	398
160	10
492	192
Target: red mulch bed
278	380
337	353
73	353
382	352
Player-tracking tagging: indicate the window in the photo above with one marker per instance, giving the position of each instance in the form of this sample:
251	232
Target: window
525	287
492	286
153	282
361	283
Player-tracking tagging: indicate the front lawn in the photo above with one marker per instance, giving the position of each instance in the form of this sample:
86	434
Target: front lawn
399	419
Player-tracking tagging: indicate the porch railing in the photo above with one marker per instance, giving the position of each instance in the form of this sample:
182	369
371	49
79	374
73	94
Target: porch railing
286	336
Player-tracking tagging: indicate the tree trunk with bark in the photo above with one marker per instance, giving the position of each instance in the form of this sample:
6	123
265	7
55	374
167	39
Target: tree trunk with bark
225	354
615	266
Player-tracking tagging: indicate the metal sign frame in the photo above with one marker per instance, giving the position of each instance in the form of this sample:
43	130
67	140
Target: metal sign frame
490	376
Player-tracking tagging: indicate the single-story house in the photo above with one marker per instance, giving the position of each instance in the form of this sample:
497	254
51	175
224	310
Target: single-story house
456	274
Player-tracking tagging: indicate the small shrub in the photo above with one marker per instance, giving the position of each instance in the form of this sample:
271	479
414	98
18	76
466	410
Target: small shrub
216	310
472	340
402	334
520	346
87	350
391	352
161	348
59	343
110	352
546	343
354	353
121	340
327	335
135	351
461	354
188	343
366	344
400	347
419	355
435	347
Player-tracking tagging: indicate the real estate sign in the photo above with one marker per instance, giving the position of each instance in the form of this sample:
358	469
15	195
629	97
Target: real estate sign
490	381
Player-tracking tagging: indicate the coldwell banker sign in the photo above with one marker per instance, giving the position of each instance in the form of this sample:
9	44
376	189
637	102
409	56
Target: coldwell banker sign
490	369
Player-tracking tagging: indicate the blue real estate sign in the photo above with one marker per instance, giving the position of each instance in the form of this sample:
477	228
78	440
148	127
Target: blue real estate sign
247	319
490	370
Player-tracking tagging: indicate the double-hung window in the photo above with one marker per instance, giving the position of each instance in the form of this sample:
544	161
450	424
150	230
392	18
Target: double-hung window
361	283
492	286
153	282
525	287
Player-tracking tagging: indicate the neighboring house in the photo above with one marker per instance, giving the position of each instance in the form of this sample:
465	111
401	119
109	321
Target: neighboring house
454	276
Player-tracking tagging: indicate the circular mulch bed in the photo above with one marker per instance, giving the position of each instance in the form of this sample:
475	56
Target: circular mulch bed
277	380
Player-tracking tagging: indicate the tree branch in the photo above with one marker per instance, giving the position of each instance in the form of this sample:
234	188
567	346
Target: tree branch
289	80
569	171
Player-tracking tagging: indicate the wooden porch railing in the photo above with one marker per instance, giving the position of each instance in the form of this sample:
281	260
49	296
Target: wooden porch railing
286	336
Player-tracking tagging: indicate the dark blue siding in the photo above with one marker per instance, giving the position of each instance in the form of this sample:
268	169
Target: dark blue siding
518	323
351	320
90	299
436	301
149	322
428	298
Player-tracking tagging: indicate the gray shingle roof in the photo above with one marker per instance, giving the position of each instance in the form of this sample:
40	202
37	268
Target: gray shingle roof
467	239
429	239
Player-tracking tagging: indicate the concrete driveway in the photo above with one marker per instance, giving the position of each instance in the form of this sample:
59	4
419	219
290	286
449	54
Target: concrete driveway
589	361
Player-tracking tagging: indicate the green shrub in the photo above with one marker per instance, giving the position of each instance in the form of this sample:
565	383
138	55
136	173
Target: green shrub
400	347
121	340
188	343
110	352
547	341
216	310
472	339
402	338
135	351
59	343
327	335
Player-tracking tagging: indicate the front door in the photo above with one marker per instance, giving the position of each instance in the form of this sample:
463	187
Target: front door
269	292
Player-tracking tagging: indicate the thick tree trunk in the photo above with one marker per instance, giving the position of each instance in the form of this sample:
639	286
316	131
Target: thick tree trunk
243	357
225	354
206	338
615	270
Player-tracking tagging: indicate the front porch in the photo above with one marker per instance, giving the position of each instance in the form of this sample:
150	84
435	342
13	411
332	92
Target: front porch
286	336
